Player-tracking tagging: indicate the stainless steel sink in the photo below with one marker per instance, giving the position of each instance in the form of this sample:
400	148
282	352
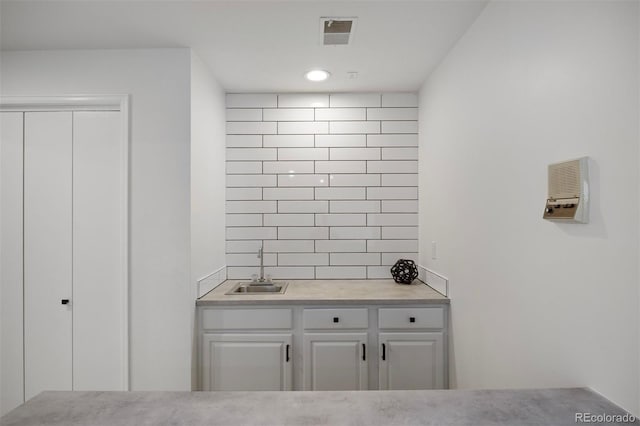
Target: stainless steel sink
252	288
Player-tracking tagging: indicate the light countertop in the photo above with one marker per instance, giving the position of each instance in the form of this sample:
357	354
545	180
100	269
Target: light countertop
539	407
330	291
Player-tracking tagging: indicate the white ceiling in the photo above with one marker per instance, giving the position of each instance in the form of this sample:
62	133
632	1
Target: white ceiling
258	45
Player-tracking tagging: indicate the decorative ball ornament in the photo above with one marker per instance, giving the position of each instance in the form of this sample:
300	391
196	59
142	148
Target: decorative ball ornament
404	271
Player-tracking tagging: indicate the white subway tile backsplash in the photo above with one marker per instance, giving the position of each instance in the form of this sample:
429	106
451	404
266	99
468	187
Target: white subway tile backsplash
402	166
338	114
354	233
244	167
251	127
389	246
243	246
251	154
287	167
341	140
341	166
250	259
354	153
399	127
354	180
289	114
341	272
292	259
303	233
403	179
303	154
241	219
303	206
399	232
289	219
244	193
398	206
399	99
287	194
348	100
340	193
393	193
303	180
250	180
302	127
399	153
392	140
341	246
355	259
327	183
342	219
295	246
291	141
351	127
244	114
391	114
251	233
354	206
249	100
392	258
244	141
303	100
392	219
252	207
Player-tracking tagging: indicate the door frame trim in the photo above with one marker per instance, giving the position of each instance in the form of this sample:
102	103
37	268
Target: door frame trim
96	103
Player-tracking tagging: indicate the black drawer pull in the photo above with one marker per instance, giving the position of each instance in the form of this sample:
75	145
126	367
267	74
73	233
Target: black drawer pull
65	301
288	353
384	352
364	352
336	319
412	319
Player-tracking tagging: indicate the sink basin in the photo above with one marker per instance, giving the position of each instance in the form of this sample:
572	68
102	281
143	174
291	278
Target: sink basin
253	288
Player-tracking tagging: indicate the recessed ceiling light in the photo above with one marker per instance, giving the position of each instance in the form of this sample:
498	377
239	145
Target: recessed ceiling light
317	75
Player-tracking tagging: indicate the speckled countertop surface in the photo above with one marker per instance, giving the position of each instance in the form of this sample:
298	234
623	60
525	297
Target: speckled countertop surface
539	407
330	291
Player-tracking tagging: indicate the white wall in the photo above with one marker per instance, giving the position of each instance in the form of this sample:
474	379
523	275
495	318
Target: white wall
536	303
327	182
159	84
207	186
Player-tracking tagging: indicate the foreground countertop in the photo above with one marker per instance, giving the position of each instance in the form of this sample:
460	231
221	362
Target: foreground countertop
553	407
330	291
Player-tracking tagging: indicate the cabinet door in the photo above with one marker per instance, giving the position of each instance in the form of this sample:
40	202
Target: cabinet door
246	362
335	361
411	361
47	251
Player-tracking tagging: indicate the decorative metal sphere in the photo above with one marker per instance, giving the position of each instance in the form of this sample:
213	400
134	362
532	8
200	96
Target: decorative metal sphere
404	271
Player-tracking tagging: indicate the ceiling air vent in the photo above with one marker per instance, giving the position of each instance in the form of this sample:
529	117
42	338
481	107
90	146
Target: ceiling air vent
337	31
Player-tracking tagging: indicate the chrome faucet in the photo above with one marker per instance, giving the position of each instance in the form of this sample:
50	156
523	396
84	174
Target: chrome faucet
261	257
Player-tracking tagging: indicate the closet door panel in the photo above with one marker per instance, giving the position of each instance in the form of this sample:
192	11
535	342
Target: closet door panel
98	241
11	356
47	251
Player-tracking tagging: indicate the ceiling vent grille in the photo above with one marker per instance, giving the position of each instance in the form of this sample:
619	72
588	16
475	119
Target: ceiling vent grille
337	31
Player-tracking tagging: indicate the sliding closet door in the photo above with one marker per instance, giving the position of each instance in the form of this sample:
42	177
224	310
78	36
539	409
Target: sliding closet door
47	251
11	362
98	255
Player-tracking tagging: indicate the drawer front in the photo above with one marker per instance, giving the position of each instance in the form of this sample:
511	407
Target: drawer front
335	318
411	318
239	319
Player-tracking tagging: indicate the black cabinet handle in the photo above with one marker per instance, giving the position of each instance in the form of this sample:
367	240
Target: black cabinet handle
65	301
287	353
412	319
384	352
336	319
364	352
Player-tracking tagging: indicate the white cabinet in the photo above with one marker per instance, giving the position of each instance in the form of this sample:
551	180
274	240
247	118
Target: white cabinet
335	361
411	360
242	362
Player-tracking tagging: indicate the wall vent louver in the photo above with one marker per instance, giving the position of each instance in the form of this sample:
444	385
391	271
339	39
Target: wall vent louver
337	31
